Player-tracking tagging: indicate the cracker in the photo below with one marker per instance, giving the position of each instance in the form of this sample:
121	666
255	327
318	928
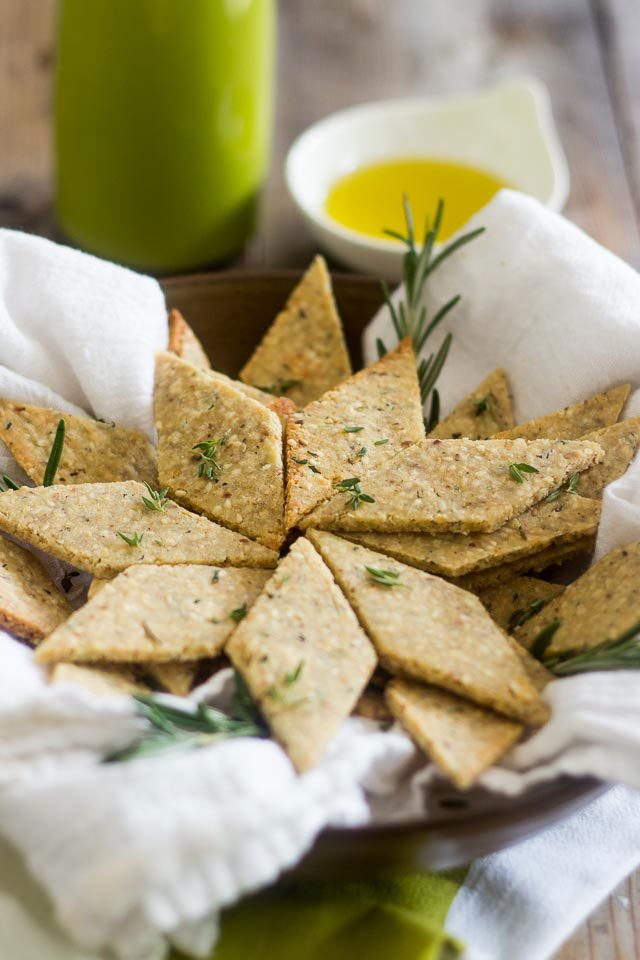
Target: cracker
243	487
80	524
570	423
511	603
462	739
534	563
544	525
430	630
105	681
95	587
303	353
281	406
30	605
457	486
477	417
620	442
599	606
536	671
152	614
377	410
303	655
93	452
176	678
373	706
184	343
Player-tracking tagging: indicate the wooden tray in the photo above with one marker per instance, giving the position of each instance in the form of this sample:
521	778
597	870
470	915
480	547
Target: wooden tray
230	312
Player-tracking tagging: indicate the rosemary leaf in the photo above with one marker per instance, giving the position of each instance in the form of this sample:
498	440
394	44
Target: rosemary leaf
386	578
543	639
54	456
622	653
524	614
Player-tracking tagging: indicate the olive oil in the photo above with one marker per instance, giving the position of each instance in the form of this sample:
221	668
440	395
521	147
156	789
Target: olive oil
369	200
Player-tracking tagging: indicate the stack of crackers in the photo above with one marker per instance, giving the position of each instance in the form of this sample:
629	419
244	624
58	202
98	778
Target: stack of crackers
298	523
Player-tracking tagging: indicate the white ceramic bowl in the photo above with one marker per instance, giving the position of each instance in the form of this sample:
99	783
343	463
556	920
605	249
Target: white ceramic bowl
507	130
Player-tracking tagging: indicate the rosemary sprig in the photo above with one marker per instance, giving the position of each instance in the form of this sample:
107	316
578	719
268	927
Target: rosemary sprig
175	728
131	539
517	471
356	496
386	578
622	653
409	318
157	499
8	483
54	457
208	466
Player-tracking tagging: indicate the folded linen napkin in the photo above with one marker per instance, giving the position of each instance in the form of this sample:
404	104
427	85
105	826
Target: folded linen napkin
136	854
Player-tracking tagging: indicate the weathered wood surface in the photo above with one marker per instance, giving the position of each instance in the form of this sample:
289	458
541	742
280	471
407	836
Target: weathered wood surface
336	52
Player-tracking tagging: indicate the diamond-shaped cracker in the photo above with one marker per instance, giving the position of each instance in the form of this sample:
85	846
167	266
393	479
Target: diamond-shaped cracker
303	353
85	525
462	739
184	343
455	486
599	606
30	605
352	430
544	525
512	603
156	614
570	423
427	629
105	681
481	414
533	563
620	442
93	452
303	655
239	481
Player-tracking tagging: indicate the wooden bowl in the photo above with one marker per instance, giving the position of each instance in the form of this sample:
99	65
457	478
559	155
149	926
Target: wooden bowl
230	312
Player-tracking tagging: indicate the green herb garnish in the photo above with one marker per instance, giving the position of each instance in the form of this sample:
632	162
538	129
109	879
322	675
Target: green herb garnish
356	496
521	616
283	696
517	471
353	429
208	466
281	386
157	499
9	483
543	639
297	460
239	613
622	653
386	578
54	457
484	405
361	452
571	486
380	443
131	539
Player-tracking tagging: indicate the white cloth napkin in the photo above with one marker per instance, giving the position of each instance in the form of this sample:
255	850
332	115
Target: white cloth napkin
135	854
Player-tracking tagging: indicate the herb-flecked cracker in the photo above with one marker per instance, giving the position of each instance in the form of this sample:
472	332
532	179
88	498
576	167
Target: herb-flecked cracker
544	525
104	528
512	603
481	414
303	353
184	343
599	606
352	430
303	655
570	423
456	486
30	605
620	442
104	681
93	452
156	614
462	739
532	563
219	452
427	629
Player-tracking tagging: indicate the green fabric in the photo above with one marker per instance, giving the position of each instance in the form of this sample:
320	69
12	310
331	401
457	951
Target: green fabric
398	918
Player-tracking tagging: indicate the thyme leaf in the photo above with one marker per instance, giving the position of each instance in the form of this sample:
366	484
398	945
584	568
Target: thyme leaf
386	578
517	471
208	466
131	539
157	499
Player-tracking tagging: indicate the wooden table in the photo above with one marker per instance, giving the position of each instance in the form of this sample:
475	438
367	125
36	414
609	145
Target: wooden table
337	52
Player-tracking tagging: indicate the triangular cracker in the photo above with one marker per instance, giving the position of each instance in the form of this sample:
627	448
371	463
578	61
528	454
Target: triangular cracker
303	353
352	430
429	630
93	452
85	525
462	739
240	483
534	563
570	423
477	417
451	555
599	606
620	442
184	343
455	486
30	605
156	614
303	655
281	406
104	681
177	678
513	603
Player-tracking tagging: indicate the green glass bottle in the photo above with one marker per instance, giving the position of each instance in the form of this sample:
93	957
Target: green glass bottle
163	123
